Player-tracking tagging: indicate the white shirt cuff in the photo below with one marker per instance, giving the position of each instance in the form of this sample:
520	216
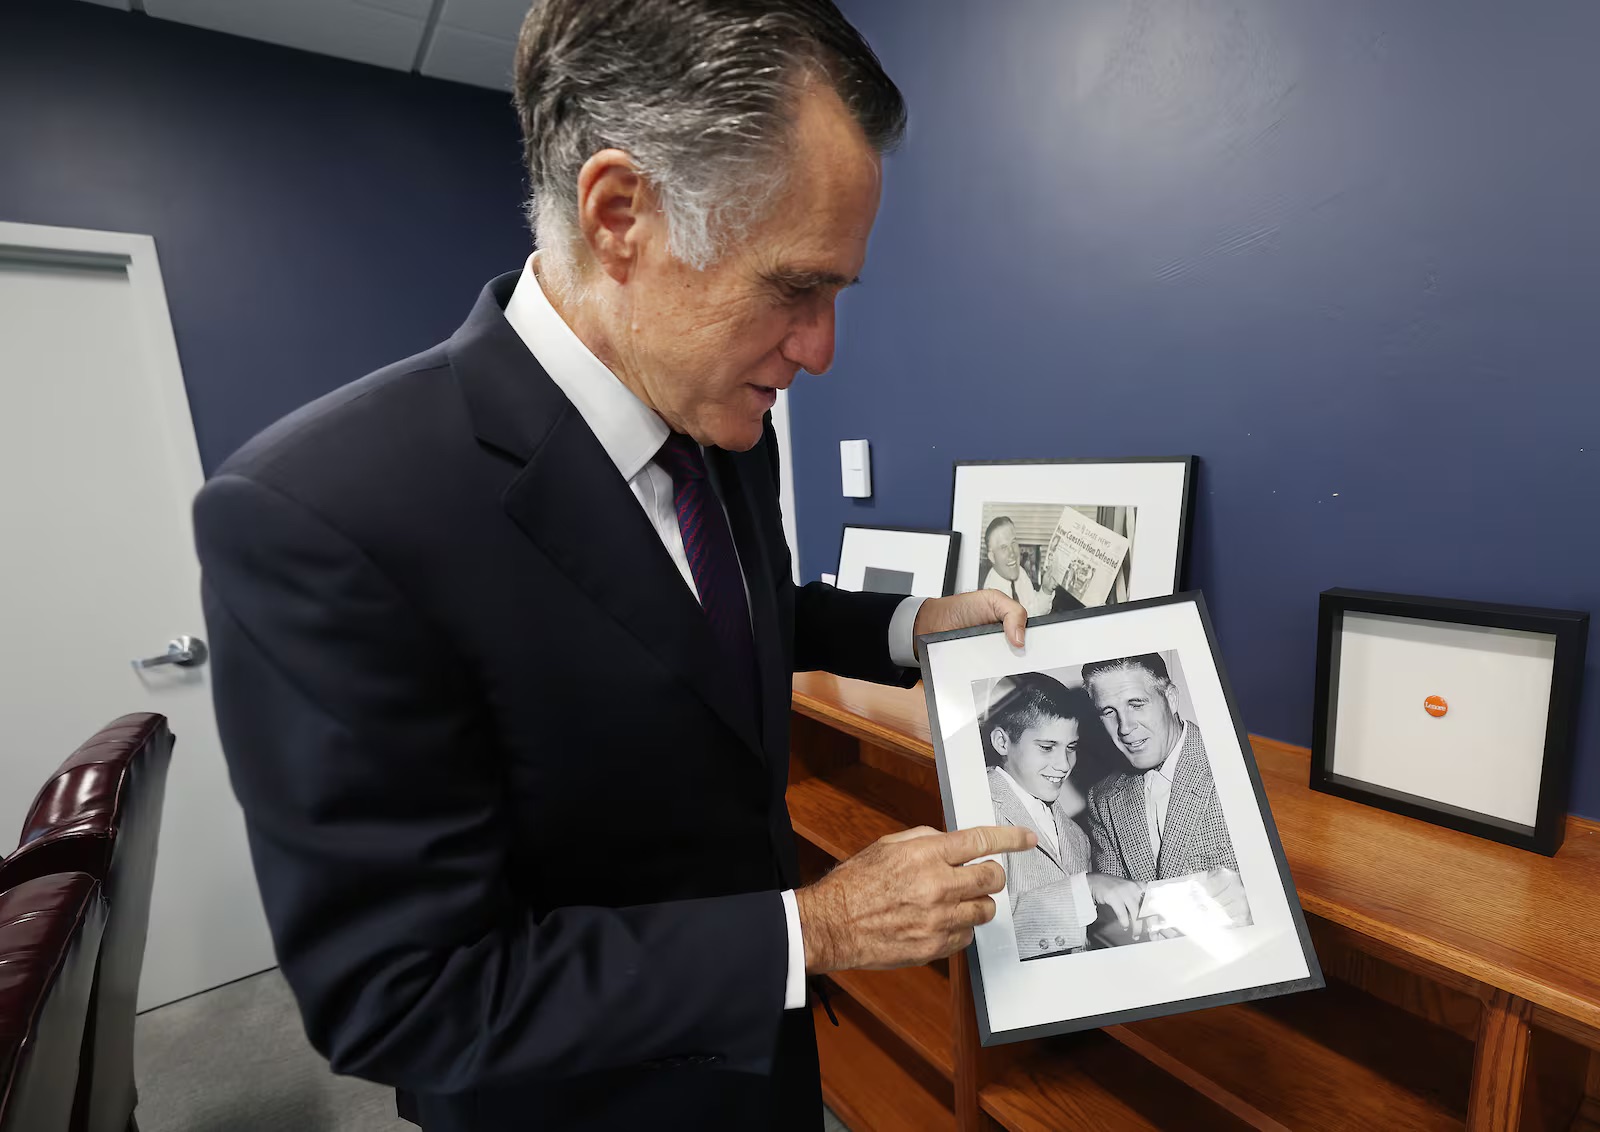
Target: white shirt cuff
1084	899
902	644
794	986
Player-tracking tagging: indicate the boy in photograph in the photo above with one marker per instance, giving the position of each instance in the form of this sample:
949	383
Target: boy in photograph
1032	728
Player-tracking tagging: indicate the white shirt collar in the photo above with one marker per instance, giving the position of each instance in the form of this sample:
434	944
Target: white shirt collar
1169	765
626	427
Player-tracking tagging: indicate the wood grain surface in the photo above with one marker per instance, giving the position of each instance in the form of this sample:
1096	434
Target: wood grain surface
1501	1065
865	1085
844	812
914	1003
1454	1005
891	717
1087	1081
1331	1060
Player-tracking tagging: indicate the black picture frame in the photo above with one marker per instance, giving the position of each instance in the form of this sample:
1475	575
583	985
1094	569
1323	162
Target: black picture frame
1570	631
952	549
1314	980
1190	463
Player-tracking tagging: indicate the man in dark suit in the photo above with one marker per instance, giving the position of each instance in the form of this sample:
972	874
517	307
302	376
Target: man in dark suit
503	633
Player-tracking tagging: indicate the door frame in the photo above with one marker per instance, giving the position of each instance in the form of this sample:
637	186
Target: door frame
780	425
134	255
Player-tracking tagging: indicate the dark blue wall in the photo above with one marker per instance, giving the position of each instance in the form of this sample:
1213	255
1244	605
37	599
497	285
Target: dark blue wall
315	218
1344	252
1331	248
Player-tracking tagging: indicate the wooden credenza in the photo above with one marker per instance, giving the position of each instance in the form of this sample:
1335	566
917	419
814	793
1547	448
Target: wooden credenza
1464	976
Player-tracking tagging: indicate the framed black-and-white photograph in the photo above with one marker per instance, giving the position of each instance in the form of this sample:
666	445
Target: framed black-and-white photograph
898	560
1061	535
1456	712
1158	883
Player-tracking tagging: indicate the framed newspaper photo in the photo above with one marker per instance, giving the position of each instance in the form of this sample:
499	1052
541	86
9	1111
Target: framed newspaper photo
1456	712
897	560
1158	883
1060	535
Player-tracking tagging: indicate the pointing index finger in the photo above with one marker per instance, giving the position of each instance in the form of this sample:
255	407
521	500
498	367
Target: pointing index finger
983	840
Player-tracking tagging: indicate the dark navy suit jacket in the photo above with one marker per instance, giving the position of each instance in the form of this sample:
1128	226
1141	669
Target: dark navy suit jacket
519	841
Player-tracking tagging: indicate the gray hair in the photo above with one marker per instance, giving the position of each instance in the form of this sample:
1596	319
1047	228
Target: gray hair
700	93
1150	662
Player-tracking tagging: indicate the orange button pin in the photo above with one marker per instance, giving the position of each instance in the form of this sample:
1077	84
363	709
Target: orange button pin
1435	706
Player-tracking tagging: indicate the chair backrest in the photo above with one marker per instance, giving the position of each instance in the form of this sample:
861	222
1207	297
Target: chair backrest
50	932
100	813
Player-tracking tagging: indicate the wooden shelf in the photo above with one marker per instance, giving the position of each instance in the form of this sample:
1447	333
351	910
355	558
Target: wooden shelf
865	1085
1333	1059
896	718
1419	889
1484	1003
913	1002
848	809
1088	1081
1422	890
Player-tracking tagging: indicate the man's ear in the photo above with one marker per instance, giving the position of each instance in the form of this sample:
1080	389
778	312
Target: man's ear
1171	693
1000	741
615	207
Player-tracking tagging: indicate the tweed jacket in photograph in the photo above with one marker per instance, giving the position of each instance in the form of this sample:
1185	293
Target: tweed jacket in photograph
1044	913
1194	839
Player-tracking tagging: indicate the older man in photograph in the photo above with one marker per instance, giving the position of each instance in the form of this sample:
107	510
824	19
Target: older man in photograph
1161	819
1005	572
504	633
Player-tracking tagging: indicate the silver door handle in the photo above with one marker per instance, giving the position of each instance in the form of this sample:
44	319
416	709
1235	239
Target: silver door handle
185	652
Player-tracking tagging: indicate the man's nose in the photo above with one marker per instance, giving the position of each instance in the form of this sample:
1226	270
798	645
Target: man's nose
810	341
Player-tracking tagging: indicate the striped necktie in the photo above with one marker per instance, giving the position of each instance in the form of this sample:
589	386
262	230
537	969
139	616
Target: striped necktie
708	545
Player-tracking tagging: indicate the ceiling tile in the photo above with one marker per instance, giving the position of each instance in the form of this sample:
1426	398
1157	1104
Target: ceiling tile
467	57
368	31
501	18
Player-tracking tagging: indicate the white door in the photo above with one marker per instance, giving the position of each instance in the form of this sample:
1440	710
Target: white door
98	466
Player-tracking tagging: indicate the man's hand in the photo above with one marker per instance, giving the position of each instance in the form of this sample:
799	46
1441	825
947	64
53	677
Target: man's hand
1225	887
906	899
963	611
1121	896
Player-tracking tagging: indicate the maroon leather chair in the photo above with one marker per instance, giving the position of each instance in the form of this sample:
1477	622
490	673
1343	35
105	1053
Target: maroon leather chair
50	935
100	814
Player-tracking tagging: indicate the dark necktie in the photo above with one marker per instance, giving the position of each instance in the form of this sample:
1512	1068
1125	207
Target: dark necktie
708	545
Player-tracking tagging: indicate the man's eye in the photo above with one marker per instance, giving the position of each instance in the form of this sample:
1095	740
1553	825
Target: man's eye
1137	703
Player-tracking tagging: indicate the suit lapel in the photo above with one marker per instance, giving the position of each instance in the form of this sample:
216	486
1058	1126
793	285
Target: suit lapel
570	502
1008	807
738	478
1191	794
1133	829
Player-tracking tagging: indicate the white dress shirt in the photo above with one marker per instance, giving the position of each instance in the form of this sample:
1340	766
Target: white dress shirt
632	434
1158	793
1044	817
1021	590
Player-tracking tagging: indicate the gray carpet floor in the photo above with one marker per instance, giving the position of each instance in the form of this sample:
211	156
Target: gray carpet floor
236	1060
